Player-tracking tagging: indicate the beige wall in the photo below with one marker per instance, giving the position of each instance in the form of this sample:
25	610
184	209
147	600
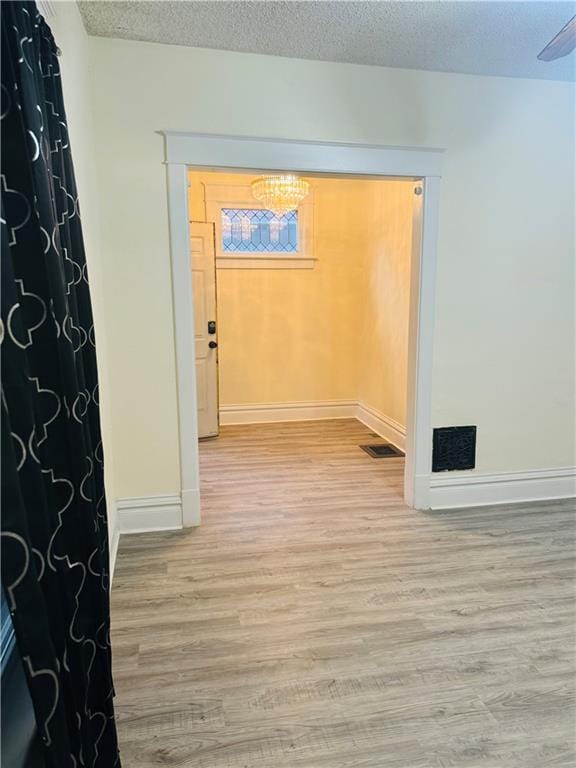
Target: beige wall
72	39
504	332
385	296
335	332
288	335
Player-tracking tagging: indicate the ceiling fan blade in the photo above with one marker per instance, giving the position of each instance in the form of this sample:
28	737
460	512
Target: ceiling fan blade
563	44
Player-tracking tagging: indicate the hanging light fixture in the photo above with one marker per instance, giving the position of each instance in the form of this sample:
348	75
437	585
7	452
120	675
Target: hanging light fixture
280	194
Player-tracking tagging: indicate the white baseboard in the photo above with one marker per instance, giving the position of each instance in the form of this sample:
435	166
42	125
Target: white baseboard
191	515
470	489
141	514
383	425
260	413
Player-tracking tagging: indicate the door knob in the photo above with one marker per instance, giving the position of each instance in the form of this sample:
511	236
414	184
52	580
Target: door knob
212	344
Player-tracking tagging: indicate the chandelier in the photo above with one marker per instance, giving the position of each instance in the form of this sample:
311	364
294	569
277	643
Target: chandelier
280	194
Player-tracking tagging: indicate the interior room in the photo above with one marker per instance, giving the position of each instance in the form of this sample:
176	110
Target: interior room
307	319
242	242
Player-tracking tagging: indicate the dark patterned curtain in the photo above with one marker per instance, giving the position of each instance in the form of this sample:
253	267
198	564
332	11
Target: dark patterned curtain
55	568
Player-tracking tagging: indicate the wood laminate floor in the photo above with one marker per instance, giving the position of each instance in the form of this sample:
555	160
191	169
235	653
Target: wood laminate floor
314	621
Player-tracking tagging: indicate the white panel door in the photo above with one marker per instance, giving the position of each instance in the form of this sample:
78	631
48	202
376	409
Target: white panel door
204	289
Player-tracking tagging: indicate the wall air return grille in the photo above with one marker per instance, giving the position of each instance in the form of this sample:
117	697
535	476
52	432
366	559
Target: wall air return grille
453	448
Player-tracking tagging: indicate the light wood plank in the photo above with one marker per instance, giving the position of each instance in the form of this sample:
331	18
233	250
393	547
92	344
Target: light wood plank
314	621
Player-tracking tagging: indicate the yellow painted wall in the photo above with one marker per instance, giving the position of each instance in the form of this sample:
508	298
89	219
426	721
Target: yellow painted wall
385	292
335	332
288	335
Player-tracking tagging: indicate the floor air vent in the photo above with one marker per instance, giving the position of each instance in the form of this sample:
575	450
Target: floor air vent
385	451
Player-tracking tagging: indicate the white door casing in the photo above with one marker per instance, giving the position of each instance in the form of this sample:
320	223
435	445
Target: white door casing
204	151
203	268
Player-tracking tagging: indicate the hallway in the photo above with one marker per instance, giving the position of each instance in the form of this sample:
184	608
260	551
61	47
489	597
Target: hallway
314	621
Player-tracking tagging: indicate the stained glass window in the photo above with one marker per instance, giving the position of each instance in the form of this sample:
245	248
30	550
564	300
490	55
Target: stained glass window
252	230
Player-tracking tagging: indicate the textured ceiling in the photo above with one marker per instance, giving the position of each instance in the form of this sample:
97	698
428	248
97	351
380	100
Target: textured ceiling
487	38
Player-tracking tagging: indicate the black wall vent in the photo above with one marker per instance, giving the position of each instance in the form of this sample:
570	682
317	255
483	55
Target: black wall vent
453	448
381	451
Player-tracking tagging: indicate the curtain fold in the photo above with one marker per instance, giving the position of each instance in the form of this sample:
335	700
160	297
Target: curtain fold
55	564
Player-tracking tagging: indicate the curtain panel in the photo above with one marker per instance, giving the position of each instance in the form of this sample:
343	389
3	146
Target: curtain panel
55	564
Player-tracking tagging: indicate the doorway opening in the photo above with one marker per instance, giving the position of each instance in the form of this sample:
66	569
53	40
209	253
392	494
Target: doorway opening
189	151
302	329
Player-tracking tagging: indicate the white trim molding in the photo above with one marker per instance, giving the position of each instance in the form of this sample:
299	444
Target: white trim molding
473	489
262	413
264	262
383	425
249	153
423	165
141	514
185	344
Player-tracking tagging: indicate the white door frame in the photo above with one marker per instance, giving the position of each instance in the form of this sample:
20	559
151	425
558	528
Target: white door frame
184	150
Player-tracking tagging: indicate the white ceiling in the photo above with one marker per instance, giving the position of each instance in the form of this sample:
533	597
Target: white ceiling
487	38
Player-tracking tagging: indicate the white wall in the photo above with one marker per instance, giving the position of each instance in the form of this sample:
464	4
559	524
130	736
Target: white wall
70	36
503	356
